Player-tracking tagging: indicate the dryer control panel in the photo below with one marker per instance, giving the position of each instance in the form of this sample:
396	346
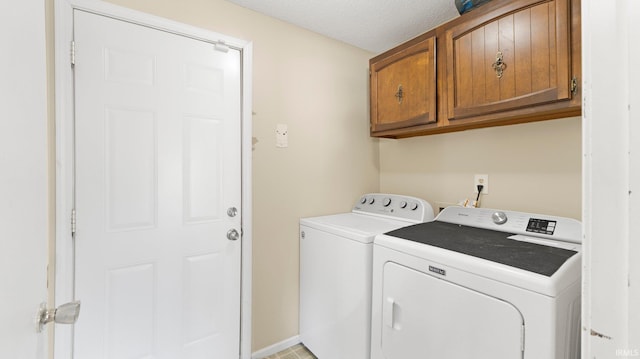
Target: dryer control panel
395	206
520	223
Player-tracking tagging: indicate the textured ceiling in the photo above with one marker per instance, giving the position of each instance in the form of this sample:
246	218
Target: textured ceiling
373	25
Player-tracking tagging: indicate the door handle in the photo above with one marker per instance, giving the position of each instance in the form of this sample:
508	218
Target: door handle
65	314
233	235
388	309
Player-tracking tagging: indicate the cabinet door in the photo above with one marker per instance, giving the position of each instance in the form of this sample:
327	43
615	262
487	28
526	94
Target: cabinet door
514	57
403	88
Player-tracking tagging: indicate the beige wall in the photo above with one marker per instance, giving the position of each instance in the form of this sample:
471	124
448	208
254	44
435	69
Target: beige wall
534	167
318	87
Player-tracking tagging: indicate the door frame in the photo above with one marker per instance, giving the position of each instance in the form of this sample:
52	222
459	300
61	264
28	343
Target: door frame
64	122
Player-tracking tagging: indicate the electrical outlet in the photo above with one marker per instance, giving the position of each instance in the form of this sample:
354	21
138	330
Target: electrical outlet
442	205
481	180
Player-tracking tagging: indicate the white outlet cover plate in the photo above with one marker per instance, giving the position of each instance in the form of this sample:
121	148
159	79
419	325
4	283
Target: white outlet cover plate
483	180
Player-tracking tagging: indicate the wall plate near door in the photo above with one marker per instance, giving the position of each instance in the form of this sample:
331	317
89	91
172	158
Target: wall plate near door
282	136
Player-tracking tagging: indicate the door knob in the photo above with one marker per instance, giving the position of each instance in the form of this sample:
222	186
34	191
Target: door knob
233	235
65	314
232	211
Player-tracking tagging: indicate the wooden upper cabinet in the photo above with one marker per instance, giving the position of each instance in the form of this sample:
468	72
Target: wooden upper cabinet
403	87
515	57
505	62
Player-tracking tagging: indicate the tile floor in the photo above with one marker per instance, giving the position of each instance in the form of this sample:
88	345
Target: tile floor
295	352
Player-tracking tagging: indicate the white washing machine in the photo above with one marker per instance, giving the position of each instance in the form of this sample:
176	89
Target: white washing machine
478	283
335	272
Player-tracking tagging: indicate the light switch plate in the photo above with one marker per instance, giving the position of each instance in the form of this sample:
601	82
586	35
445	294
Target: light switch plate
282	137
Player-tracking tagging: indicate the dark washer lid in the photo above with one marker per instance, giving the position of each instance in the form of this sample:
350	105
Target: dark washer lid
487	244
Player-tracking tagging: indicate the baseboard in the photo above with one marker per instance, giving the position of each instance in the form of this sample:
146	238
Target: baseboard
277	347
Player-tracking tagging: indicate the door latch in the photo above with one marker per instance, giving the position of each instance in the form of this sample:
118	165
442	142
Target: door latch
65	314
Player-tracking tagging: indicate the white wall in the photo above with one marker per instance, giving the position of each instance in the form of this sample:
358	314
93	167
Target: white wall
611	273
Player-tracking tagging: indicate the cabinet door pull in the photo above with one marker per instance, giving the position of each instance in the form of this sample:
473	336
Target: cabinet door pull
499	65
400	94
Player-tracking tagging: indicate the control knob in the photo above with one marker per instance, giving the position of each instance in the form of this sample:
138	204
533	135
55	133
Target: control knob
414	206
386	202
363	200
499	217
403	204
372	200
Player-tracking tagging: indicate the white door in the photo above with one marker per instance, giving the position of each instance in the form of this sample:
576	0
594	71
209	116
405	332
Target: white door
430	318
157	168
23	178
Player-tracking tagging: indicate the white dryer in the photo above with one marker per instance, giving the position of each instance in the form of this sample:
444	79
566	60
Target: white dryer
478	283
335	272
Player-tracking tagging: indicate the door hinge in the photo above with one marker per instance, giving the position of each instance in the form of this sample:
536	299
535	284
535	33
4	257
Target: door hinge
73	53
574	85
73	221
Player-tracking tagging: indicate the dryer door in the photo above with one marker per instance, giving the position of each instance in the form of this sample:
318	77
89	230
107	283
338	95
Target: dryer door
427	317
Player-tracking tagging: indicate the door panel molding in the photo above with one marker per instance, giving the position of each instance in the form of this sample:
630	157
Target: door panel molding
64	266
